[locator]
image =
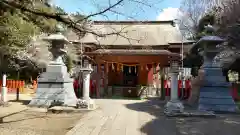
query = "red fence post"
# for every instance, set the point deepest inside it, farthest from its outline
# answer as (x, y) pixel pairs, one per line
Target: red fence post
(188, 88)
(165, 87)
(179, 88)
(234, 91)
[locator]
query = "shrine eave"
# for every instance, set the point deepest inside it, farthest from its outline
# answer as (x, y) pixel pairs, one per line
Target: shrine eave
(132, 52)
(184, 42)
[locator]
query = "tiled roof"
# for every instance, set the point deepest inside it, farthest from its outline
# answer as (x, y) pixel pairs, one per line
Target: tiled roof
(134, 33)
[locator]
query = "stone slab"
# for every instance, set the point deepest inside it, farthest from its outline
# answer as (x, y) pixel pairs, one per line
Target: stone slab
(67, 109)
(216, 101)
(219, 95)
(218, 108)
(203, 114)
(54, 77)
(55, 68)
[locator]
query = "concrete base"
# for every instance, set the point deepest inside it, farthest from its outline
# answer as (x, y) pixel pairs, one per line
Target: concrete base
(91, 104)
(173, 107)
(55, 87)
(88, 104)
(4, 94)
(62, 109)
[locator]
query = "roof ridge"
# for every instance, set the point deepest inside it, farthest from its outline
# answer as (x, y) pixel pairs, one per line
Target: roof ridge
(134, 22)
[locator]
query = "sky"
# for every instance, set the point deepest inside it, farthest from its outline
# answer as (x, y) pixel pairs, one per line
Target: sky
(128, 10)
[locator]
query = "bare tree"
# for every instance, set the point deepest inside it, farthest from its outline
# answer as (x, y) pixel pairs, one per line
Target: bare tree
(191, 12)
(229, 23)
(80, 25)
(227, 14)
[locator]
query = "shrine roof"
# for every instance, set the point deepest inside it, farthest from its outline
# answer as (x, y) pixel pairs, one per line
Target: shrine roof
(132, 52)
(144, 33)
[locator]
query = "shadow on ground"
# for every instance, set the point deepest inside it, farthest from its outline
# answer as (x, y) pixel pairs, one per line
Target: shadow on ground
(24, 102)
(2, 121)
(162, 125)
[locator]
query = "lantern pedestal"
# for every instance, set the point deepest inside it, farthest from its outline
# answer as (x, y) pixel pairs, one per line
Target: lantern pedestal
(55, 87)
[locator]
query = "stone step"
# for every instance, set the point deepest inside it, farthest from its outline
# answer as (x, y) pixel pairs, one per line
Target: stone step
(215, 81)
(117, 93)
(213, 72)
(220, 90)
(218, 108)
(216, 99)
(209, 95)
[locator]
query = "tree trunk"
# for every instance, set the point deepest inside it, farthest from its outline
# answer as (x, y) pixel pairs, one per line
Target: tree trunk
(196, 85)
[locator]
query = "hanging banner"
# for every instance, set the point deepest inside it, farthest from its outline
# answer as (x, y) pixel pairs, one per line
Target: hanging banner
(118, 67)
(113, 66)
(107, 68)
(141, 67)
(102, 70)
(158, 67)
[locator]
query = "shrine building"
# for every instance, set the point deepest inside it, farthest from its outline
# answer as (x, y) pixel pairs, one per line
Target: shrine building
(132, 54)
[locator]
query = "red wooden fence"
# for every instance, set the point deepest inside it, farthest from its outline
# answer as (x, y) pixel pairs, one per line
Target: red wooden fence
(13, 85)
(186, 90)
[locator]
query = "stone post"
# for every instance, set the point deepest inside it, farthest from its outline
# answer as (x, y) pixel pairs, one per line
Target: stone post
(174, 86)
(4, 88)
(174, 105)
(87, 69)
(86, 84)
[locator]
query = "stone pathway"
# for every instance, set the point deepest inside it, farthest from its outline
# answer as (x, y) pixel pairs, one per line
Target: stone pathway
(135, 117)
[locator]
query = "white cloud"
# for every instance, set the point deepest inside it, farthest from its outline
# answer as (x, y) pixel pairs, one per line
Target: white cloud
(168, 14)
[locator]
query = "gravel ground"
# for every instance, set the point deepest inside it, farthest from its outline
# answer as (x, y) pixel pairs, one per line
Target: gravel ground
(222, 125)
(18, 119)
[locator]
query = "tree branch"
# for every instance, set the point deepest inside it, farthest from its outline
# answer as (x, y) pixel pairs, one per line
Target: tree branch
(101, 12)
(64, 18)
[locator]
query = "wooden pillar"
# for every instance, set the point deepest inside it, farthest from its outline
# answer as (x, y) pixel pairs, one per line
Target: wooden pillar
(98, 79)
(142, 75)
(105, 77)
(163, 93)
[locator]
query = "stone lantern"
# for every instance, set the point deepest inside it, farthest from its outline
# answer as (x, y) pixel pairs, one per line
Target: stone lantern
(215, 92)
(86, 70)
(174, 105)
(55, 87)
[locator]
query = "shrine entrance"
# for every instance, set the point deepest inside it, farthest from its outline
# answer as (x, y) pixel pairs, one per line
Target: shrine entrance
(130, 76)
(125, 72)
